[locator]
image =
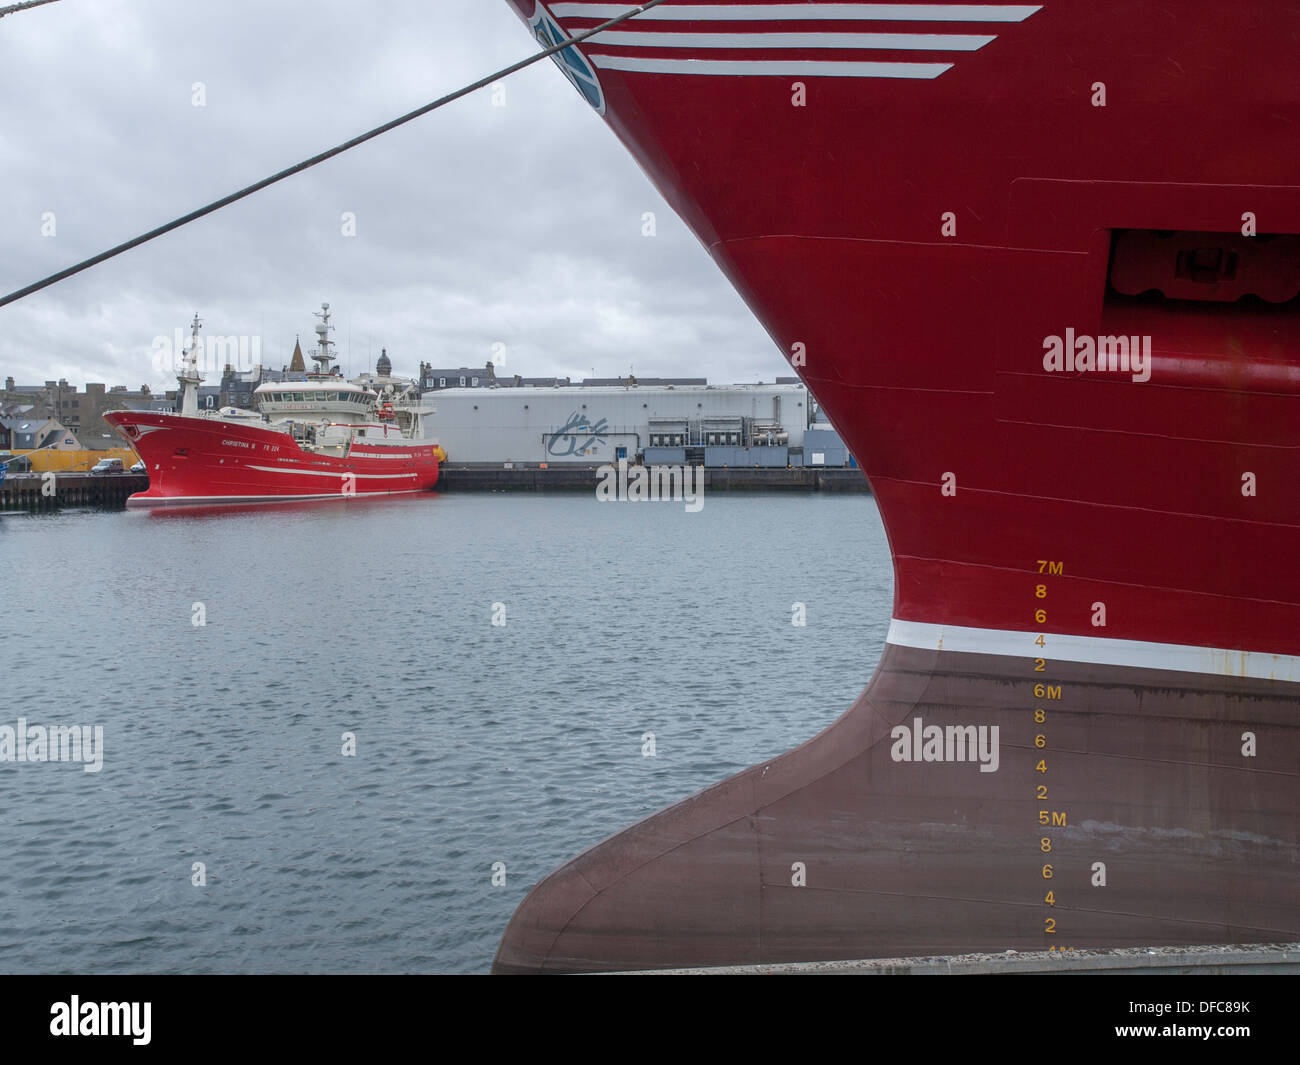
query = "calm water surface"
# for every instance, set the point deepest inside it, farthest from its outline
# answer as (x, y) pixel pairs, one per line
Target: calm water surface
(475, 743)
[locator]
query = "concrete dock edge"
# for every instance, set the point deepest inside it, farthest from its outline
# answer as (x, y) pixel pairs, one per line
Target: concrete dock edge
(1278, 958)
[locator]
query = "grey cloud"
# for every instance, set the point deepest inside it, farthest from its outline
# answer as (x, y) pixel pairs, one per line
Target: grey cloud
(475, 224)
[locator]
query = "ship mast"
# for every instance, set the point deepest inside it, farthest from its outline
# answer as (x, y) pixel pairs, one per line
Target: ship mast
(321, 355)
(189, 378)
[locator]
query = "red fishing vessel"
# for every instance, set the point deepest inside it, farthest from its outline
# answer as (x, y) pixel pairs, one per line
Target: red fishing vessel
(317, 438)
(1040, 264)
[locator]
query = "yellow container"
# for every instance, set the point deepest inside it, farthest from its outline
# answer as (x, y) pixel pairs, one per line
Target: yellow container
(75, 461)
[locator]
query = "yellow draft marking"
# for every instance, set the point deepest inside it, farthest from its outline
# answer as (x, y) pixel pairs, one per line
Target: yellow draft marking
(1052, 818)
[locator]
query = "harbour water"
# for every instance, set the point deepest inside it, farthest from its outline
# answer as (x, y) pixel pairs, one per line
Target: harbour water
(521, 742)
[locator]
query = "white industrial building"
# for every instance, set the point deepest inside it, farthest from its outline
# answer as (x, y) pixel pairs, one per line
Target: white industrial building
(716, 425)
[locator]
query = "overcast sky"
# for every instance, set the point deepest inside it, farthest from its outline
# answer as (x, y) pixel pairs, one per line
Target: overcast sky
(475, 225)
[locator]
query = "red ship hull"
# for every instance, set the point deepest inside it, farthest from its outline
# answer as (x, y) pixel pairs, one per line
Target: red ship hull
(1099, 563)
(206, 461)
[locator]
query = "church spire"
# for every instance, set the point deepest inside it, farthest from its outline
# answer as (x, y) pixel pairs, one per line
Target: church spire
(297, 363)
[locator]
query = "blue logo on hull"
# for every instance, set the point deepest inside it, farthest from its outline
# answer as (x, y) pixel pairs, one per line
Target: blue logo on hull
(575, 67)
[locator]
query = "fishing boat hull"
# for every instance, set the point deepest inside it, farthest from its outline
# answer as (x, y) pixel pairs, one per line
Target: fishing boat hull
(208, 461)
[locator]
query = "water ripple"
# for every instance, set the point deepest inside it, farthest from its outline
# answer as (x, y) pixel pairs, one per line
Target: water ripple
(229, 832)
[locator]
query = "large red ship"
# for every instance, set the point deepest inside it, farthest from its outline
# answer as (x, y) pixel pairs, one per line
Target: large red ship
(317, 438)
(1040, 264)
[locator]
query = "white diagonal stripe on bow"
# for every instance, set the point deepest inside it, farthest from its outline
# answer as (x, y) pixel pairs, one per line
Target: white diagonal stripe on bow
(805, 12)
(807, 68)
(921, 42)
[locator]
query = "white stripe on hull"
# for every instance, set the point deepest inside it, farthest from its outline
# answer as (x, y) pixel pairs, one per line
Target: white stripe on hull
(171, 501)
(920, 42)
(1096, 650)
(810, 68)
(330, 473)
(805, 12)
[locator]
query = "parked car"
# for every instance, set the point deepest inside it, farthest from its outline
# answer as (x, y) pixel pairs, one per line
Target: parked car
(108, 466)
(139, 467)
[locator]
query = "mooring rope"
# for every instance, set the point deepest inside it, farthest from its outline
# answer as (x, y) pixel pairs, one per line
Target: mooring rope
(306, 164)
